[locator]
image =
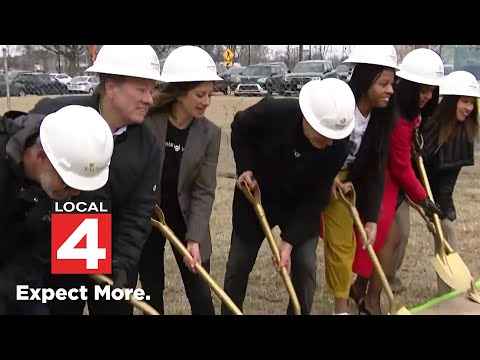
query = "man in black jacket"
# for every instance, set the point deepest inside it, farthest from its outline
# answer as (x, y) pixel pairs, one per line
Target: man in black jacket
(128, 76)
(40, 161)
(292, 149)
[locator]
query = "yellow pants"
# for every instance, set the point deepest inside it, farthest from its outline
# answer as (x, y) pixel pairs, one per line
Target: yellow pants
(339, 245)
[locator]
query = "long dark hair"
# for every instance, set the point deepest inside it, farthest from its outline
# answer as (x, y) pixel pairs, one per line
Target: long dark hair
(363, 77)
(408, 100)
(446, 117)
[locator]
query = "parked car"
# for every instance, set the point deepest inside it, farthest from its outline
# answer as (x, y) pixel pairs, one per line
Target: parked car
(231, 79)
(306, 71)
(268, 77)
(15, 89)
(83, 84)
(282, 65)
(63, 78)
(344, 72)
(221, 86)
(38, 83)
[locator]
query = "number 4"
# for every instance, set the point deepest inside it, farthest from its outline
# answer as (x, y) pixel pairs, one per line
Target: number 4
(91, 253)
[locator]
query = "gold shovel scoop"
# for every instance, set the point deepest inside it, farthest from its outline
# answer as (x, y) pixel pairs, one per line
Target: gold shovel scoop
(473, 293)
(449, 266)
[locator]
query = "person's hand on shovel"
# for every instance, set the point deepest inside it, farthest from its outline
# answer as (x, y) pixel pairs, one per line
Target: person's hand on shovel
(194, 249)
(344, 187)
(247, 176)
(285, 250)
(430, 208)
(371, 231)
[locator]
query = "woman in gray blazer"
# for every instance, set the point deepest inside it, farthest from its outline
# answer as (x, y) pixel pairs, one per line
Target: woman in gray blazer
(188, 164)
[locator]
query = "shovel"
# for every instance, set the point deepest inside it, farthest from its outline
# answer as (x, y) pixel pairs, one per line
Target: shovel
(393, 310)
(140, 305)
(449, 267)
(473, 293)
(169, 234)
(255, 200)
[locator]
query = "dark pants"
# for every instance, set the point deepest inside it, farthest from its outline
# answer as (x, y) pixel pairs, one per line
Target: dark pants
(30, 307)
(152, 273)
(95, 307)
(241, 259)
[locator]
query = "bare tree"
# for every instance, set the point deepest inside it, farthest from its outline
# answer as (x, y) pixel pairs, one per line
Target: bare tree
(280, 56)
(325, 51)
(258, 54)
(444, 51)
(72, 54)
(336, 60)
(288, 56)
(162, 50)
(346, 50)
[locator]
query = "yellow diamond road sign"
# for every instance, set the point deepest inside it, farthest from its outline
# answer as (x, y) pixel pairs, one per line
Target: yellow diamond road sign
(228, 55)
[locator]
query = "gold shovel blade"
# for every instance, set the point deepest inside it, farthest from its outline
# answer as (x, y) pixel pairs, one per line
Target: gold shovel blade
(403, 311)
(453, 271)
(474, 294)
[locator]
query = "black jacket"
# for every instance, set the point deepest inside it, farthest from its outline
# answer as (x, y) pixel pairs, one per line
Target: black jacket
(444, 163)
(24, 212)
(294, 177)
(367, 172)
(131, 187)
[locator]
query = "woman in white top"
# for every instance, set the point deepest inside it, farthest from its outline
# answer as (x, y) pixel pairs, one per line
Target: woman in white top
(372, 83)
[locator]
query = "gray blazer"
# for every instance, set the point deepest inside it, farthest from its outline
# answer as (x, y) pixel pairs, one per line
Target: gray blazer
(197, 179)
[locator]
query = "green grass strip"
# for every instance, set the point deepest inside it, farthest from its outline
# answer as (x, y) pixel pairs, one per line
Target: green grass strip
(438, 300)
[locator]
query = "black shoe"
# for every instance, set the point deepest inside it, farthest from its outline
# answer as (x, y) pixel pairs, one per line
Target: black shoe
(362, 308)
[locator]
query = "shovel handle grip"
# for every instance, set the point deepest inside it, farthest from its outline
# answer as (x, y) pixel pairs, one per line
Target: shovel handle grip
(254, 197)
(436, 220)
(177, 244)
(354, 213)
(255, 200)
(427, 220)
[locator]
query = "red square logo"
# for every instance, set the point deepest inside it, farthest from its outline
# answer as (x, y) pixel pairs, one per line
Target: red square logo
(81, 237)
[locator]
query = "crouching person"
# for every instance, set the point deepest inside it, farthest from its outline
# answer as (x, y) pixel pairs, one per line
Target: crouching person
(292, 149)
(43, 158)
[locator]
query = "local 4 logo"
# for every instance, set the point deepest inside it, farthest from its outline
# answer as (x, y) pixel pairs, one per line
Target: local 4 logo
(81, 237)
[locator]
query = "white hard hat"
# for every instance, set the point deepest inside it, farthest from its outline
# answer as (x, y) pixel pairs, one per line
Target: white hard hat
(189, 63)
(139, 61)
(384, 55)
(423, 66)
(460, 83)
(328, 105)
(79, 144)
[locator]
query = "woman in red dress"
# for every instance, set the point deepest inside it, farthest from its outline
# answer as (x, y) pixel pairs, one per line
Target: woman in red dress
(417, 96)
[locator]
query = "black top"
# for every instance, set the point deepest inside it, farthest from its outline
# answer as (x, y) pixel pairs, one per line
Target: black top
(175, 141)
(294, 177)
(132, 183)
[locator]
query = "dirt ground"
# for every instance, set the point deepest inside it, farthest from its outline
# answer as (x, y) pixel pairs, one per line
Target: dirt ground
(456, 305)
(266, 293)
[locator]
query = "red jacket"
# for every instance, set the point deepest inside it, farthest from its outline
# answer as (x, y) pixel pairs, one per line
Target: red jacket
(399, 174)
(399, 160)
